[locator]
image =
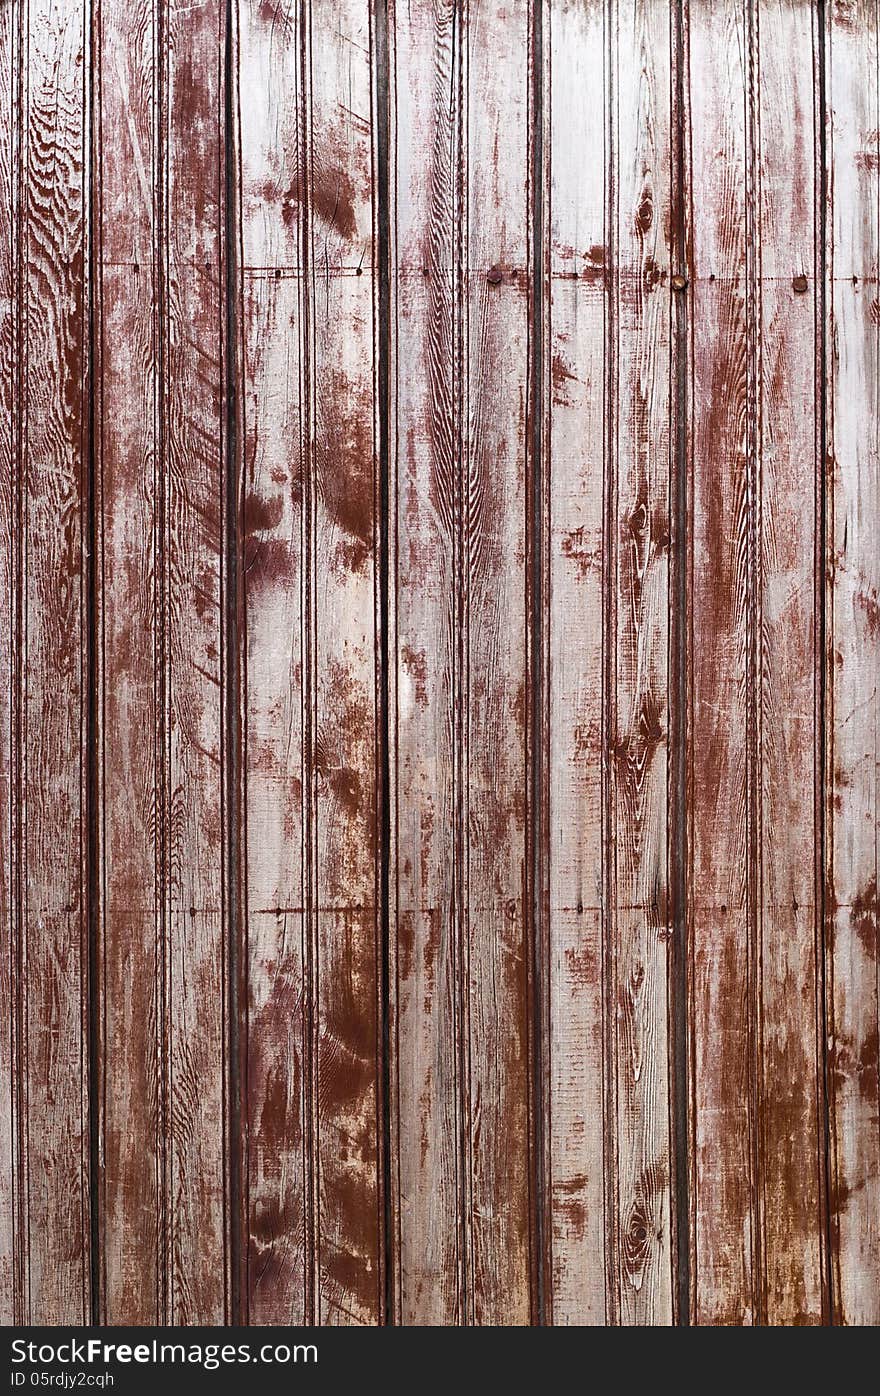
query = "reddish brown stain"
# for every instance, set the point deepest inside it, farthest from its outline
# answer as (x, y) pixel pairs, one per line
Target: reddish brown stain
(272, 14)
(868, 160)
(331, 199)
(415, 663)
(576, 547)
(595, 263)
(652, 274)
(267, 560)
(866, 599)
(582, 966)
(560, 375)
(863, 916)
(573, 1213)
(645, 214)
(345, 462)
(262, 514)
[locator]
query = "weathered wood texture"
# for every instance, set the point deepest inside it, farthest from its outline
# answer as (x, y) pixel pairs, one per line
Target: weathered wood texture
(439, 658)
(459, 345)
(43, 887)
(310, 552)
(607, 451)
(852, 653)
(159, 451)
(754, 756)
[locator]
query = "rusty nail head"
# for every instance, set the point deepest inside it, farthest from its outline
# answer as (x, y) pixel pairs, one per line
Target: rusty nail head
(799, 282)
(494, 276)
(679, 282)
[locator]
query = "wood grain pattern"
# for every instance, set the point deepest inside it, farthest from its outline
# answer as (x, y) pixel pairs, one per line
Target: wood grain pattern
(574, 453)
(44, 886)
(311, 540)
(161, 595)
(755, 983)
(852, 641)
(439, 662)
(460, 373)
(608, 410)
(128, 451)
(12, 1290)
(637, 538)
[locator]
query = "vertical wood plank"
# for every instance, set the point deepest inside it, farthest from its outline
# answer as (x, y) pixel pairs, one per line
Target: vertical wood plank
(785, 142)
(460, 373)
(722, 1215)
(190, 244)
(311, 491)
(128, 455)
(162, 600)
(636, 569)
(574, 454)
(852, 56)
(754, 975)
(425, 199)
(270, 48)
(344, 460)
(45, 898)
(608, 410)
(10, 1173)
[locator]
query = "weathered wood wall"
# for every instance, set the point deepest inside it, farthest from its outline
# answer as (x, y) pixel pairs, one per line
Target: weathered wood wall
(440, 645)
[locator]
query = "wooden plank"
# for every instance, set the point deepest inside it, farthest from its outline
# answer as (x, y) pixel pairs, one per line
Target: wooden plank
(636, 569)
(128, 452)
(785, 139)
(425, 118)
(275, 682)
(852, 54)
(459, 372)
(754, 977)
(10, 1173)
(722, 1219)
(574, 452)
(161, 602)
(44, 891)
(193, 601)
(609, 544)
(311, 489)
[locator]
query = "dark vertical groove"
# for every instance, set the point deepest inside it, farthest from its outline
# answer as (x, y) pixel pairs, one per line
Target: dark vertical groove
(92, 732)
(383, 217)
(821, 677)
(755, 650)
(311, 1295)
(536, 600)
(21, 1276)
(164, 1287)
(609, 679)
(236, 997)
(679, 661)
(459, 95)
